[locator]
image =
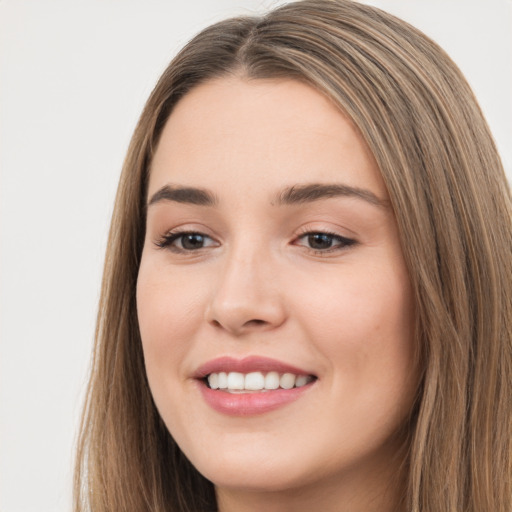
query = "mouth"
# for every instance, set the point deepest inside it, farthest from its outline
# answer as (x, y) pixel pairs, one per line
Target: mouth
(236, 382)
(250, 386)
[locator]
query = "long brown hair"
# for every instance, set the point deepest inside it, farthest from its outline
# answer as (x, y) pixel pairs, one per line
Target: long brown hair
(453, 208)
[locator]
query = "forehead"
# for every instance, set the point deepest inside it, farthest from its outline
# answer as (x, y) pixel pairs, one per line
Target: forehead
(264, 132)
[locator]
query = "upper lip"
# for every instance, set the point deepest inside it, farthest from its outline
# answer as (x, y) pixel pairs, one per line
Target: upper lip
(247, 365)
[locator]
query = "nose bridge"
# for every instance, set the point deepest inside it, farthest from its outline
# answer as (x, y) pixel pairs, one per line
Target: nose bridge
(247, 296)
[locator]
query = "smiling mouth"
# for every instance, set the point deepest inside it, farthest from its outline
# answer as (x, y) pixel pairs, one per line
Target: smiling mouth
(251, 386)
(255, 382)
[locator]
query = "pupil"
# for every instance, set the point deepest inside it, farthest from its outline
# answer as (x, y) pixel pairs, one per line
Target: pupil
(320, 241)
(192, 241)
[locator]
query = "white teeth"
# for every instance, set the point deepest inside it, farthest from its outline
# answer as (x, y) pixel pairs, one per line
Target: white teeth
(287, 381)
(213, 380)
(223, 380)
(256, 381)
(272, 380)
(302, 380)
(236, 380)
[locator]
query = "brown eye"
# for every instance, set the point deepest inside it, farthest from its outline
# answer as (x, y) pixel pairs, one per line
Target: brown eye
(191, 241)
(324, 242)
(185, 241)
(320, 241)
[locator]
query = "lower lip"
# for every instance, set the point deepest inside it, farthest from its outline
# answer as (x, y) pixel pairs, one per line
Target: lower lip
(250, 404)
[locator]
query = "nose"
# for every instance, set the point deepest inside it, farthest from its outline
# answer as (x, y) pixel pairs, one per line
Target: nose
(246, 297)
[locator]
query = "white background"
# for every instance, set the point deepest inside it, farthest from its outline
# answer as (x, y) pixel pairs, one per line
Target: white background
(74, 75)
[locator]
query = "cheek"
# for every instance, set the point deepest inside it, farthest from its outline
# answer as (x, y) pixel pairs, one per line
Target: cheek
(169, 312)
(363, 322)
(350, 303)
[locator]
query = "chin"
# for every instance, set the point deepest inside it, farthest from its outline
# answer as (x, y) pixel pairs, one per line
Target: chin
(252, 466)
(252, 479)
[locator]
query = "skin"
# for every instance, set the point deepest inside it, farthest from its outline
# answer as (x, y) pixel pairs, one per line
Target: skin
(255, 286)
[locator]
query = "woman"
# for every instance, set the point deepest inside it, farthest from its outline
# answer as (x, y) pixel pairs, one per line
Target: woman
(306, 293)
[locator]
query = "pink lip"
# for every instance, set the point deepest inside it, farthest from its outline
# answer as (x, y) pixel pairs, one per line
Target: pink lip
(248, 404)
(246, 365)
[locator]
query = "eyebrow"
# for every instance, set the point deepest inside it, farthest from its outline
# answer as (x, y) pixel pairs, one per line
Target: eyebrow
(178, 194)
(296, 194)
(311, 192)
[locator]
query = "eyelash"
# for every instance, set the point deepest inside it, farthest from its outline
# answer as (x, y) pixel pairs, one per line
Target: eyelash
(344, 242)
(167, 241)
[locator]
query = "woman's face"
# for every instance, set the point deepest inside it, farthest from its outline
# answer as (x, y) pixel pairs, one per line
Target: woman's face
(272, 258)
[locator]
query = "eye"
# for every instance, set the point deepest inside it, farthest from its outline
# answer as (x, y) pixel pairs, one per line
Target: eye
(322, 242)
(185, 241)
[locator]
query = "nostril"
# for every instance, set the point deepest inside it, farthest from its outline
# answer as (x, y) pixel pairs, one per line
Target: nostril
(255, 323)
